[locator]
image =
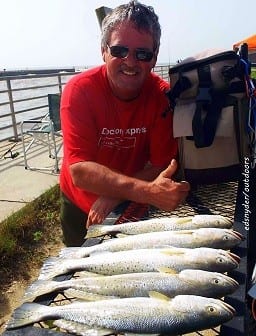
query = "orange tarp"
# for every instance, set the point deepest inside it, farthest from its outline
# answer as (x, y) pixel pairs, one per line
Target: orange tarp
(251, 41)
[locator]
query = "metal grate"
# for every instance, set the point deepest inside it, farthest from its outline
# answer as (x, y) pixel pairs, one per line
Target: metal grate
(216, 199)
(211, 199)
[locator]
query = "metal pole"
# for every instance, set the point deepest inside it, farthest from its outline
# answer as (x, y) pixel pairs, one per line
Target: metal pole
(14, 123)
(101, 12)
(60, 84)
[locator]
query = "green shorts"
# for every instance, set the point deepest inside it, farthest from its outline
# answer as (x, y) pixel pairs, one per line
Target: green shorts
(73, 222)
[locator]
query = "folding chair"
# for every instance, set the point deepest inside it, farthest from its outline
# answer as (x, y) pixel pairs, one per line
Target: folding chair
(43, 133)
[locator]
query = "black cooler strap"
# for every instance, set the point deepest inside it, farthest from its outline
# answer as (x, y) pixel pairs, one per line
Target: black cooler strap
(182, 84)
(209, 103)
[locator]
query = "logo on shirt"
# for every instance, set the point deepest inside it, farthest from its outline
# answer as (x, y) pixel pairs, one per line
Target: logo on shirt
(117, 142)
(119, 138)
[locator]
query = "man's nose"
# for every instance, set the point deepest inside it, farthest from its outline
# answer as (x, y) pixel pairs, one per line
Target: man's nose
(131, 59)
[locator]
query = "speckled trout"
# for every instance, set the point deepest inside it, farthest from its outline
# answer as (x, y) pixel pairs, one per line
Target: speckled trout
(143, 260)
(167, 282)
(182, 314)
(161, 224)
(204, 237)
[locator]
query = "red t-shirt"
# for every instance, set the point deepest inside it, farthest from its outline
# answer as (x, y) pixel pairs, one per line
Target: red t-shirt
(121, 135)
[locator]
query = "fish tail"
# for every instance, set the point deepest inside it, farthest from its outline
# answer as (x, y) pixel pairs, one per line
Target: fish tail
(97, 231)
(39, 288)
(28, 313)
(50, 268)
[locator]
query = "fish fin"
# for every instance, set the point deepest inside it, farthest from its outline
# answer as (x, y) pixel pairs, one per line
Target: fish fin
(184, 220)
(87, 274)
(172, 251)
(100, 230)
(38, 288)
(97, 230)
(167, 270)
(121, 235)
(29, 313)
(188, 232)
(87, 296)
(158, 296)
(81, 329)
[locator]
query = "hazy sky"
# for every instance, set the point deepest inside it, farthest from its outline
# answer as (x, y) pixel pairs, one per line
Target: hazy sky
(49, 33)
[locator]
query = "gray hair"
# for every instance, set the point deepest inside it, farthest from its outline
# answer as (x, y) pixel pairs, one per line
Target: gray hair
(143, 17)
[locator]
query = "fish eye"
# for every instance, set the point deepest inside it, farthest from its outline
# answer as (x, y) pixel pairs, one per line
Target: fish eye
(211, 309)
(216, 281)
(220, 260)
(225, 237)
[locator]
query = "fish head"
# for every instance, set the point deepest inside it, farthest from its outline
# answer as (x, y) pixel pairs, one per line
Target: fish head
(214, 283)
(226, 261)
(232, 238)
(220, 280)
(220, 238)
(215, 260)
(216, 220)
(203, 311)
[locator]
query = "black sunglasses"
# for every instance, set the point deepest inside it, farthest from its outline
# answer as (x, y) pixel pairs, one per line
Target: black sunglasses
(141, 54)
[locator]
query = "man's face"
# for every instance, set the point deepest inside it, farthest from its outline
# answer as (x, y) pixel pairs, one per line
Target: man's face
(127, 75)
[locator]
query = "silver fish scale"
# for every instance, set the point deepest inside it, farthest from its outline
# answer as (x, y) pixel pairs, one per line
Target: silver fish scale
(121, 317)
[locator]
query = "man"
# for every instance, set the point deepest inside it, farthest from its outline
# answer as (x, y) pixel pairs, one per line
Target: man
(117, 128)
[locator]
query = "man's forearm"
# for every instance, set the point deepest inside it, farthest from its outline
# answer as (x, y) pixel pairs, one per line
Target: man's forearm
(103, 181)
(160, 191)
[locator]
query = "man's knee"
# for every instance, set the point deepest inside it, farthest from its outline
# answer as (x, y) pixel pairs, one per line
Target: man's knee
(73, 223)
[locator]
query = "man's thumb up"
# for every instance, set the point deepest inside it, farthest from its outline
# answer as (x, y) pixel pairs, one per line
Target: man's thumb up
(170, 170)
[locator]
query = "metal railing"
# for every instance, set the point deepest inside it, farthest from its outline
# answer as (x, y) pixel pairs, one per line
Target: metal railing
(25, 97)
(162, 71)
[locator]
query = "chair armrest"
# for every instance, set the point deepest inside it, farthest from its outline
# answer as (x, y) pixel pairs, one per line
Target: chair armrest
(37, 125)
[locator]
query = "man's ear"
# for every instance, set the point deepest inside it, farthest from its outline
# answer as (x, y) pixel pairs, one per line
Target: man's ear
(155, 57)
(154, 61)
(103, 53)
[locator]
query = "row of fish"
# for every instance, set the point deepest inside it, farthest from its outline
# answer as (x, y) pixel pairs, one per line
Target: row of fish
(143, 260)
(202, 237)
(168, 281)
(152, 315)
(161, 224)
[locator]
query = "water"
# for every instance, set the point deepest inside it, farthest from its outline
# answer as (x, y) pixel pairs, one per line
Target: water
(26, 88)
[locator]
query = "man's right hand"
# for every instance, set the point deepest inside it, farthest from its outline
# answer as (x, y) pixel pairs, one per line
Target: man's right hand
(165, 193)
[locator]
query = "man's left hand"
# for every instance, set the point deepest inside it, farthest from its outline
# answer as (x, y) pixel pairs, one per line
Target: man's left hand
(100, 209)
